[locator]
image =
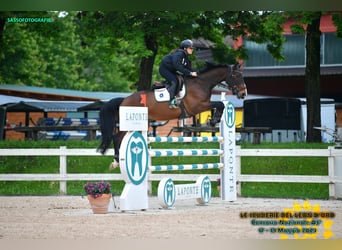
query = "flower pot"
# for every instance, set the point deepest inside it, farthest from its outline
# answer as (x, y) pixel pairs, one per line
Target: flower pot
(100, 204)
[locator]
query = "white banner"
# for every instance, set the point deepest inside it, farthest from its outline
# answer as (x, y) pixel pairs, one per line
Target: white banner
(133, 118)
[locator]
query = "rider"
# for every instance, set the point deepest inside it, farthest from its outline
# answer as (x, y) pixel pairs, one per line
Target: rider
(177, 62)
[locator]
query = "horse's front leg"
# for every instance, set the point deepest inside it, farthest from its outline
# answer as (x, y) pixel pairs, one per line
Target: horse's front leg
(218, 108)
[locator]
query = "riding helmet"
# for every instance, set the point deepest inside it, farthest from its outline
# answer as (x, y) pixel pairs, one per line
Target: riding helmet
(186, 44)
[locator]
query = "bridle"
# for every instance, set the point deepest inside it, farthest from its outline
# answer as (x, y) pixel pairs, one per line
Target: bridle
(233, 86)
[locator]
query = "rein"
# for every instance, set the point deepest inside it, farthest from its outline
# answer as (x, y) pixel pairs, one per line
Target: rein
(216, 82)
(224, 85)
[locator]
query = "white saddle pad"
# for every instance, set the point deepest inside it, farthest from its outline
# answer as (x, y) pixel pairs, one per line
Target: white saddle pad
(162, 95)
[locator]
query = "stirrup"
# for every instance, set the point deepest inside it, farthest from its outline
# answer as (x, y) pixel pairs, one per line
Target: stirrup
(173, 104)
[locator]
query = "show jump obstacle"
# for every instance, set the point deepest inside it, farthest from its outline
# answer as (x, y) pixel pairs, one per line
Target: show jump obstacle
(135, 158)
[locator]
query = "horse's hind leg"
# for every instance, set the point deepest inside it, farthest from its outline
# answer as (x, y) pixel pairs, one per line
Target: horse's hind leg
(115, 162)
(218, 108)
(117, 138)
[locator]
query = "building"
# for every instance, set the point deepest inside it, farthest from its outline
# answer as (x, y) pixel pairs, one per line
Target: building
(26, 106)
(266, 76)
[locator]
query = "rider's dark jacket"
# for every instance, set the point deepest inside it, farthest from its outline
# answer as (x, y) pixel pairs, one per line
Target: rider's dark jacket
(178, 62)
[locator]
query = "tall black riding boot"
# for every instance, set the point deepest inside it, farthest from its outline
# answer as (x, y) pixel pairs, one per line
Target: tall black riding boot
(172, 91)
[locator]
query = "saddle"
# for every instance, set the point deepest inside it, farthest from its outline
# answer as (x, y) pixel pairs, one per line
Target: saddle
(162, 95)
(163, 84)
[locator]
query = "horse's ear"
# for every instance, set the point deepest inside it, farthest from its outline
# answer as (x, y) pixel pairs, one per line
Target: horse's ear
(237, 66)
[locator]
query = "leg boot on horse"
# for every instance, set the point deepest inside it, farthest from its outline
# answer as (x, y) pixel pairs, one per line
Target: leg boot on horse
(218, 111)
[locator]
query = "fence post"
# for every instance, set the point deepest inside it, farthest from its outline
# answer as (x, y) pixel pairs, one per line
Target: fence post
(238, 170)
(331, 173)
(337, 170)
(149, 182)
(62, 170)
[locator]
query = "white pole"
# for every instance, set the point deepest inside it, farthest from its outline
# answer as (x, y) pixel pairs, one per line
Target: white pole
(228, 174)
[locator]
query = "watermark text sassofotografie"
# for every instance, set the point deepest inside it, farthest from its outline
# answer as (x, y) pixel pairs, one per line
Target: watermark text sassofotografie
(29, 19)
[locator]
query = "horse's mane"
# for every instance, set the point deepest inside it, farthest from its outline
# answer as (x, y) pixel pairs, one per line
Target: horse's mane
(210, 66)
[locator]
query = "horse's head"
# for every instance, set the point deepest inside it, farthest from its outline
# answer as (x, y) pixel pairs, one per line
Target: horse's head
(236, 82)
(232, 76)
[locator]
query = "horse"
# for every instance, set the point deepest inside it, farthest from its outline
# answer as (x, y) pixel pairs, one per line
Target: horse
(196, 100)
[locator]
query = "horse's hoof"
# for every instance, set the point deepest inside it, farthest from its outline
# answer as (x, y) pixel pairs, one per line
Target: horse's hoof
(212, 123)
(113, 165)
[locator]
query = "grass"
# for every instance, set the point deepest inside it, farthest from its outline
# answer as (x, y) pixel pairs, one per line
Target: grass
(285, 166)
(91, 164)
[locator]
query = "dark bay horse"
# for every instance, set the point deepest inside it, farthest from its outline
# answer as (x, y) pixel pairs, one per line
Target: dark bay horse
(196, 100)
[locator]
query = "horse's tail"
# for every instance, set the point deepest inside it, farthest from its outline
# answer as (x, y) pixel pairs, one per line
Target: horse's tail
(109, 116)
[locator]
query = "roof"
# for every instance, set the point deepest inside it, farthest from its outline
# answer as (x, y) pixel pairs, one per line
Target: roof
(202, 43)
(203, 48)
(20, 104)
(43, 93)
(238, 103)
(5, 99)
(92, 106)
(45, 106)
(288, 71)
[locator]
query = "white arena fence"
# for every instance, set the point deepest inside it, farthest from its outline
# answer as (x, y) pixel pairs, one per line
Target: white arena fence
(330, 153)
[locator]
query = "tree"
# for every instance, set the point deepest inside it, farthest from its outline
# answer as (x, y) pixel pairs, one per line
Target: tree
(39, 54)
(312, 77)
(312, 70)
(109, 62)
(65, 53)
(155, 31)
(162, 31)
(107, 51)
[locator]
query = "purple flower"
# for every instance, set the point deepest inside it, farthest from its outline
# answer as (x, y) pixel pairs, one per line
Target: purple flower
(96, 189)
